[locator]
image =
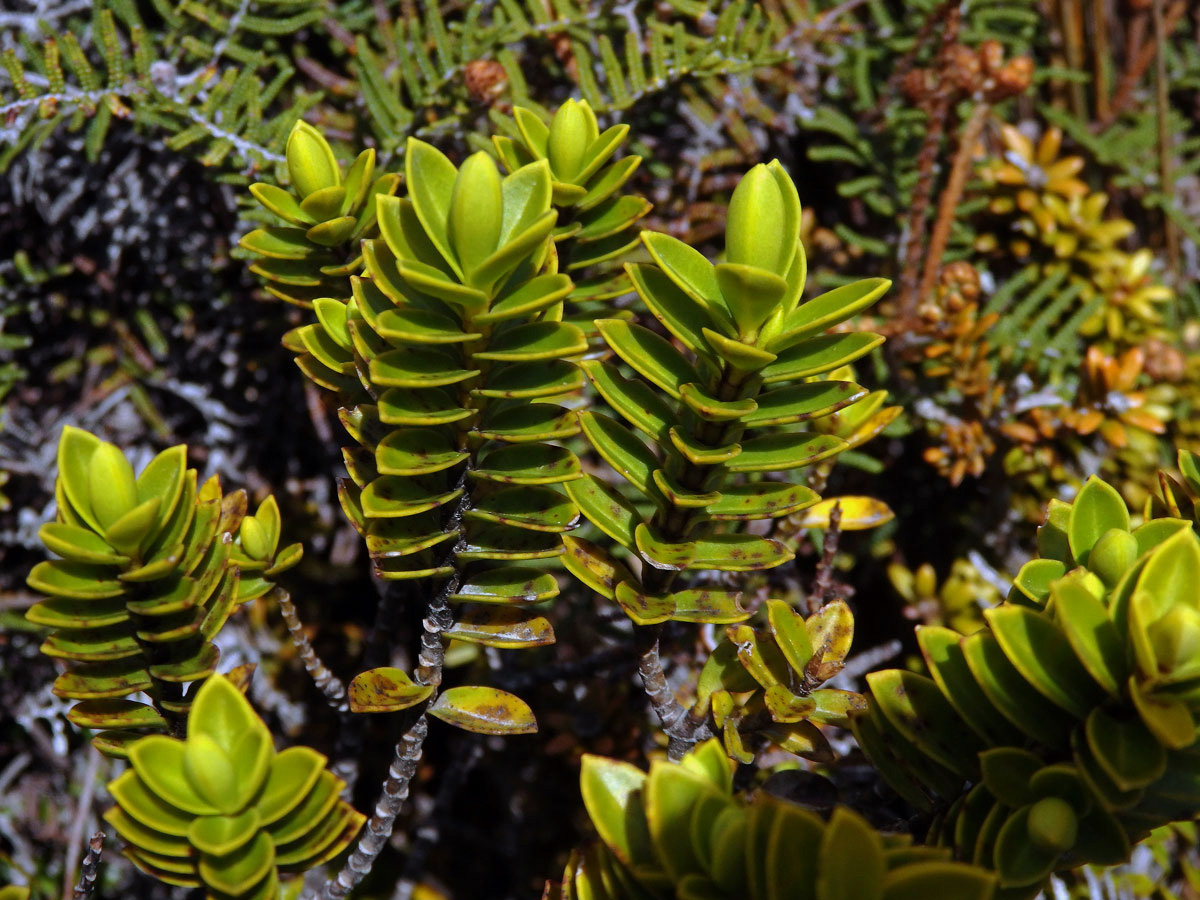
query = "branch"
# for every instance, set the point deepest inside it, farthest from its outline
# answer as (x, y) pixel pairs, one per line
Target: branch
(329, 684)
(379, 827)
(90, 869)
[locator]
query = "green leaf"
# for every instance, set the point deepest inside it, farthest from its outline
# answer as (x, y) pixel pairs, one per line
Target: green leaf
(740, 355)
(1019, 860)
(620, 448)
(605, 508)
(760, 500)
(711, 409)
(417, 451)
(739, 553)
(159, 764)
(802, 402)
(938, 879)
(851, 859)
(116, 713)
(324, 203)
(528, 422)
(681, 315)
(522, 247)
(421, 326)
(1011, 694)
(825, 311)
(612, 795)
(529, 464)
(1125, 749)
(505, 627)
(278, 243)
(430, 177)
(74, 580)
(417, 367)
(1043, 655)
(507, 584)
(1007, 772)
(671, 794)
(239, 872)
(790, 634)
(647, 353)
(1092, 634)
(1036, 576)
(531, 380)
(78, 544)
(280, 202)
(526, 298)
(294, 773)
(1170, 575)
(661, 552)
(484, 710)
(222, 835)
(1097, 509)
(781, 452)
(612, 217)
(534, 341)
(688, 268)
(396, 496)
(594, 566)
(708, 607)
(643, 608)
(135, 528)
(913, 704)
(420, 406)
(635, 401)
(385, 690)
(819, 355)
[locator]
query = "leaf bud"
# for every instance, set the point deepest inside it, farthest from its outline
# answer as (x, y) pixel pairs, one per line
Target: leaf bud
(1112, 556)
(1176, 637)
(210, 771)
(254, 539)
(310, 160)
(1053, 825)
(476, 211)
(763, 222)
(571, 132)
(111, 484)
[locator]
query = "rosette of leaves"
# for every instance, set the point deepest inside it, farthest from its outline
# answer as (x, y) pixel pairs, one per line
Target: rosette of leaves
(146, 576)
(710, 426)
(222, 809)
(326, 215)
(1066, 729)
(457, 336)
(595, 230)
(769, 684)
(681, 832)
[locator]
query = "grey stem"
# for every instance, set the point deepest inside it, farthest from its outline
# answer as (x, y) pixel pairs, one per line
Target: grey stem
(90, 868)
(379, 828)
(329, 684)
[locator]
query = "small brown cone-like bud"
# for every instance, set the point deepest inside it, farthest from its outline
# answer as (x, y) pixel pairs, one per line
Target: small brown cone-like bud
(485, 79)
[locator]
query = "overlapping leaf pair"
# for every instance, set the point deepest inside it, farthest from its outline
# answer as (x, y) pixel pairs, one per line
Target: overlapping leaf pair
(1074, 714)
(222, 810)
(327, 217)
(718, 415)
(457, 337)
(776, 676)
(595, 228)
(147, 577)
(681, 832)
